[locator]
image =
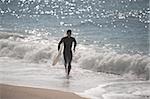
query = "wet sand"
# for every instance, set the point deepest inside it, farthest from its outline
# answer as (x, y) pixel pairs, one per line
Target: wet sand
(19, 92)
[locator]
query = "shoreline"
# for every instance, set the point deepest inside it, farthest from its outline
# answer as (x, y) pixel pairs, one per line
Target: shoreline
(21, 92)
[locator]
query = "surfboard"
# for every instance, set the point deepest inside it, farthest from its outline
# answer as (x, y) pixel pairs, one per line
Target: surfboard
(57, 56)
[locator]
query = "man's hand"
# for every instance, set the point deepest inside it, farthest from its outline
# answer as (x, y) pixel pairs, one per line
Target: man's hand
(74, 50)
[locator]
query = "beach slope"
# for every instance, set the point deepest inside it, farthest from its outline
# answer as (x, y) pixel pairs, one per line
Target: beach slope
(19, 92)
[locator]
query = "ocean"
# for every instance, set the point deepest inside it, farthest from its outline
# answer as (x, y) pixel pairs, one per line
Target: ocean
(112, 46)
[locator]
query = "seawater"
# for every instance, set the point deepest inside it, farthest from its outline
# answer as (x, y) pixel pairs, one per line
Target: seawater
(120, 25)
(112, 36)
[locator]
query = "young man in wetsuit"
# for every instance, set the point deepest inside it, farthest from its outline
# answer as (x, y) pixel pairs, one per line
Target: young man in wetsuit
(67, 53)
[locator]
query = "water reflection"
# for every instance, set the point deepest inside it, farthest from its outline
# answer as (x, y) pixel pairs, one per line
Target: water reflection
(66, 83)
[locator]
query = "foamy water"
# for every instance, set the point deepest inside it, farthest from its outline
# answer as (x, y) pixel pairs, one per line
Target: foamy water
(36, 50)
(26, 61)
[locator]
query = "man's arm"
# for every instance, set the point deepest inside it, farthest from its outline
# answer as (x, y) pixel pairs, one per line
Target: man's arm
(60, 43)
(75, 44)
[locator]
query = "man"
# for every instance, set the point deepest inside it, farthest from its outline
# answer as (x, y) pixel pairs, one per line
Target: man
(67, 53)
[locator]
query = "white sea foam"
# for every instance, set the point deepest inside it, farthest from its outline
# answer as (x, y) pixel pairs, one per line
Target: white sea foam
(114, 63)
(33, 50)
(38, 50)
(120, 90)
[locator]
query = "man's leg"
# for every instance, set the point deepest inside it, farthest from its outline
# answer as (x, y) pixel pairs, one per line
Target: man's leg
(69, 67)
(65, 62)
(69, 63)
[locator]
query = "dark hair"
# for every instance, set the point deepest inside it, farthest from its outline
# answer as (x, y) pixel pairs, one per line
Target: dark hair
(69, 32)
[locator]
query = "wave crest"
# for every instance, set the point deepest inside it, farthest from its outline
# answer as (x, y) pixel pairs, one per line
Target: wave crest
(87, 57)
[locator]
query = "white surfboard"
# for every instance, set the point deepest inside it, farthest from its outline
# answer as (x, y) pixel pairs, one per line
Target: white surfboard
(56, 58)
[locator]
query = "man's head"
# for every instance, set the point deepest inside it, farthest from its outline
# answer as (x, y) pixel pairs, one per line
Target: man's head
(69, 32)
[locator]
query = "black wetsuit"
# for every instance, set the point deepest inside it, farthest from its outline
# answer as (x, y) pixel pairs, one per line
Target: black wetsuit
(67, 50)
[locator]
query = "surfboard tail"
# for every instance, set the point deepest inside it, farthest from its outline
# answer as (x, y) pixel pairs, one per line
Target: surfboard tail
(56, 58)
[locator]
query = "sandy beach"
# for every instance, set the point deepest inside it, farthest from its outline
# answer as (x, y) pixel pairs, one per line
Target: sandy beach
(19, 92)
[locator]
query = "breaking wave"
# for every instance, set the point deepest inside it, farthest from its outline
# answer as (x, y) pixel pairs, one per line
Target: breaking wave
(87, 57)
